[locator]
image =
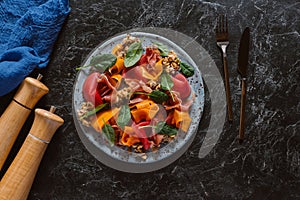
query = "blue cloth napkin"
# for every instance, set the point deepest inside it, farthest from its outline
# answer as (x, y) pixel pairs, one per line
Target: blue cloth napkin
(28, 31)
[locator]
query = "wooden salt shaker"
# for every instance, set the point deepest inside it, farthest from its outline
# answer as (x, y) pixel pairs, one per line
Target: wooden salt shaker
(17, 181)
(15, 115)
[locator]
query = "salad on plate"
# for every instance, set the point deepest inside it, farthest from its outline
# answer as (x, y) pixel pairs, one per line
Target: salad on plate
(137, 97)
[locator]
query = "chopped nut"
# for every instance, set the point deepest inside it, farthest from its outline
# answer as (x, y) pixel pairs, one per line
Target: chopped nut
(121, 49)
(170, 70)
(138, 148)
(157, 87)
(85, 122)
(175, 66)
(85, 108)
(124, 93)
(152, 84)
(155, 148)
(172, 55)
(144, 156)
(171, 62)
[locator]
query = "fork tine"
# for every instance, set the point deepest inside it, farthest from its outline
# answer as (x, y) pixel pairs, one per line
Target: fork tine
(222, 24)
(226, 24)
(217, 26)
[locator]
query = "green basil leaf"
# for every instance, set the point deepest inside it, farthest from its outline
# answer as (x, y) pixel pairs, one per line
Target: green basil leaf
(158, 96)
(186, 69)
(94, 111)
(166, 81)
(159, 126)
(124, 116)
(133, 54)
(162, 48)
(103, 61)
(109, 133)
(163, 128)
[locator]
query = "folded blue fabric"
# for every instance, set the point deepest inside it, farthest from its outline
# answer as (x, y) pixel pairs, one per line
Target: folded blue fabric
(29, 29)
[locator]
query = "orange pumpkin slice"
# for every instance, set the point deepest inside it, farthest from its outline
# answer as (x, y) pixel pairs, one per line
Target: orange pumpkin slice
(103, 118)
(128, 137)
(181, 120)
(145, 110)
(117, 67)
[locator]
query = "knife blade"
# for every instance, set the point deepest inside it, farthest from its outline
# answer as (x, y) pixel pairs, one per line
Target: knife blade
(244, 53)
(242, 69)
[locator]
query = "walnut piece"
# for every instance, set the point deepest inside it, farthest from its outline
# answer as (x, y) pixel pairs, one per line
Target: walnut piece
(171, 62)
(121, 49)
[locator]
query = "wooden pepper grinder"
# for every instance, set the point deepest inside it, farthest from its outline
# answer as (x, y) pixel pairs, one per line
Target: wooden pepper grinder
(15, 115)
(17, 181)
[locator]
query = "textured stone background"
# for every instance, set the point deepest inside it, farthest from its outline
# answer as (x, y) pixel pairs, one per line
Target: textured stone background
(266, 166)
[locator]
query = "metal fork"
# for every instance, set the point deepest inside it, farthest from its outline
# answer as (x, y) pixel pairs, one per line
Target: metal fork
(223, 42)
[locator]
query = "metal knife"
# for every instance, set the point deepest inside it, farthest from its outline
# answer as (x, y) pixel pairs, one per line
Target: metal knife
(242, 69)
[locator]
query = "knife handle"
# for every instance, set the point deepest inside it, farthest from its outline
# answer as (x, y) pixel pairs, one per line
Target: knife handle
(15, 115)
(17, 181)
(242, 114)
(227, 87)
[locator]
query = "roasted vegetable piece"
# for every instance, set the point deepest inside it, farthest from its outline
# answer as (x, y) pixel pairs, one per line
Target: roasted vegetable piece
(145, 110)
(129, 137)
(117, 67)
(103, 118)
(181, 120)
(89, 89)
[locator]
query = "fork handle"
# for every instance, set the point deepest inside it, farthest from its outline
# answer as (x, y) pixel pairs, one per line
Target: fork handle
(228, 97)
(242, 115)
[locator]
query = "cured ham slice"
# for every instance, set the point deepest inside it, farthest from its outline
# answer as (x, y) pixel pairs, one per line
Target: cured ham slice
(151, 56)
(134, 73)
(89, 89)
(141, 133)
(181, 85)
(137, 85)
(152, 73)
(98, 88)
(179, 105)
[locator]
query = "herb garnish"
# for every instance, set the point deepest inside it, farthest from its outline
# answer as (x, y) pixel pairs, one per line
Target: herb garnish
(166, 83)
(124, 116)
(103, 61)
(94, 111)
(109, 133)
(162, 48)
(133, 54)
(156, 95)
(162, 128)
(186, 69)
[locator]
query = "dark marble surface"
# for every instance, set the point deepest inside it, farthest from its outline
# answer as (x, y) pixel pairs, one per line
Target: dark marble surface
(265, 166)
